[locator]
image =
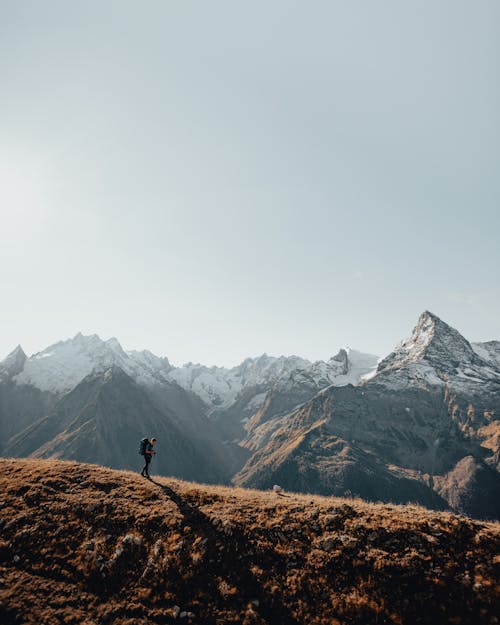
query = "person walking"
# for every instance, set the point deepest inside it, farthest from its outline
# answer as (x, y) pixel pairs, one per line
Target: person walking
(149, 452)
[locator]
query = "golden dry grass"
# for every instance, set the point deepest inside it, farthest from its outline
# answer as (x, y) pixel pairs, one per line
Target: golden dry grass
(81, 543)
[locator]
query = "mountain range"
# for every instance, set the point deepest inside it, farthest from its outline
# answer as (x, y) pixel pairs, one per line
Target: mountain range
(421, 425)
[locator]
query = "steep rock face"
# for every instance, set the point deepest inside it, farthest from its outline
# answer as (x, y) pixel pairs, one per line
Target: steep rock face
(410, 428)
(286, 384)
(435, 342)
(13, 363)
(437, 355)
(20, 405)
(472, 487)
(315, 460)
(432, 402)
(102, 420)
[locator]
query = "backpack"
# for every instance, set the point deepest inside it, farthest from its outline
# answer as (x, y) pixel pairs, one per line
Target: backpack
(142, 446)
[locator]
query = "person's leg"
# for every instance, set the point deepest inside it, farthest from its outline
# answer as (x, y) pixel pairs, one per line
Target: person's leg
(148, 460)
(145, 467)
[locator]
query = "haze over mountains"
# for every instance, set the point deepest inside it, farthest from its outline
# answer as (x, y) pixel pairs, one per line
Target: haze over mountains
(422, 425)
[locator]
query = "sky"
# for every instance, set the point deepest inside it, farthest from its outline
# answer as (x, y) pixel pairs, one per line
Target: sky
(212, 181)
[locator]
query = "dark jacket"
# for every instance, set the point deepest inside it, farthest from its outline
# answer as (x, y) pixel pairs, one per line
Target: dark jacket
(148, 452)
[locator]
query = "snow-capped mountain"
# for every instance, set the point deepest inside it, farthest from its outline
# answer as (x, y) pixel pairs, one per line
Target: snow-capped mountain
(220, 387)
(437, 355)
(60, 367)
(31, 387)
(424, 427)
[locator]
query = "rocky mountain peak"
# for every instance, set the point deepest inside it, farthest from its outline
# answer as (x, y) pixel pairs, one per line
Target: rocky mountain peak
(343, 359)
(432, 341)
(85, 339)
(114, 344)
(60, 367)
(14, 362)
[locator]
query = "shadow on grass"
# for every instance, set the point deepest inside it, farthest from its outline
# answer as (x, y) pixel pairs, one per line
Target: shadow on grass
(232, 562)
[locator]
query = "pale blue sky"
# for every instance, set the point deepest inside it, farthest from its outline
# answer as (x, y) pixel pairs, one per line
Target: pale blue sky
(212, 180)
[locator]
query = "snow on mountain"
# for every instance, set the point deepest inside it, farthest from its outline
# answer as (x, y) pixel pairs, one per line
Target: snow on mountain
(360, 365)
(437, 355)
(489, 351)
(432, 339)
(62, 366)
(434, 355)
(219, 387)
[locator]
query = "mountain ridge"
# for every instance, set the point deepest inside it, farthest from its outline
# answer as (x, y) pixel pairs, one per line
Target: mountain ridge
(84, 544)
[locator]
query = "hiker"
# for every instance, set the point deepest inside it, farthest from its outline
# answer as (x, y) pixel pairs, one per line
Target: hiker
(148, 452)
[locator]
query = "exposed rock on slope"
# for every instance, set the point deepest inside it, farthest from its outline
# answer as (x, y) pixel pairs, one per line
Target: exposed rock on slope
(13, 364)
(19, 405)
(220, 388)
(83, 544)
(399, 436)
(267, 386)
(471, 487)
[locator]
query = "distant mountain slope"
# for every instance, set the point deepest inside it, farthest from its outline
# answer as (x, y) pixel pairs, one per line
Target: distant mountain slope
(221, 388)
(83, 544)
(488, 351)
(103, 419)
(228, 396)
(294, 381)
(20, 405)
(60, 367)
(400, 436)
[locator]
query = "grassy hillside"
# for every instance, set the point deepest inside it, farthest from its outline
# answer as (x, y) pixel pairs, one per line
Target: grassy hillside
(83, 544)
